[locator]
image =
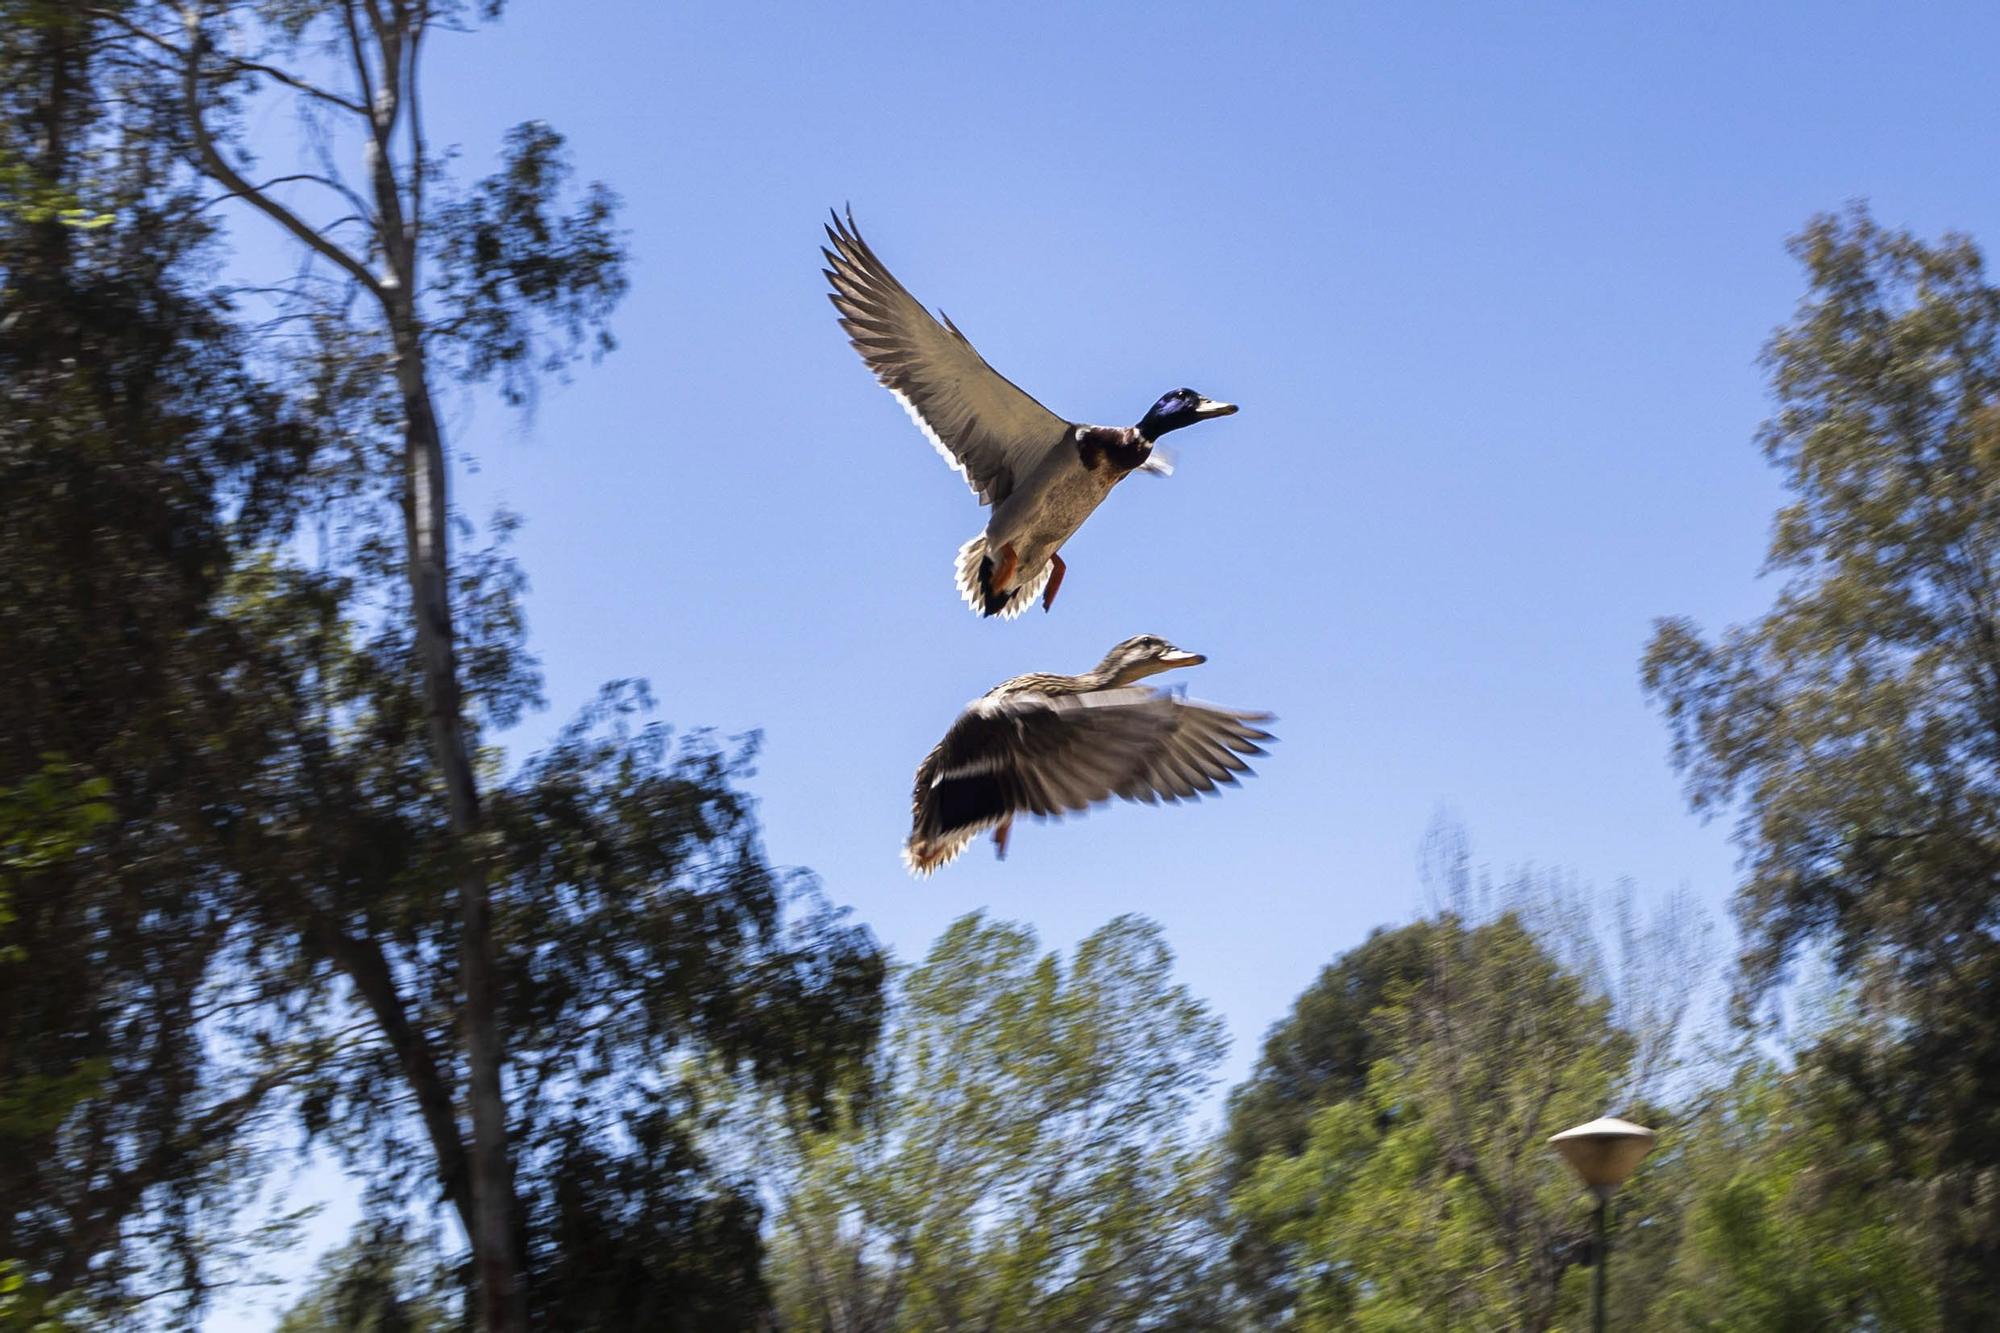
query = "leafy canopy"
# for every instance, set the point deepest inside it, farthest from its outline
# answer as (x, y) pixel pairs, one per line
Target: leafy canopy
(1021, 1159)
(1855, 727)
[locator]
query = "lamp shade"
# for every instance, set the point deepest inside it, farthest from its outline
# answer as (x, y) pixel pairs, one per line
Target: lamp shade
(1604, 1152)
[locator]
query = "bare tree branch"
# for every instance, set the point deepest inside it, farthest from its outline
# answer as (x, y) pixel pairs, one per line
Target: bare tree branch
(353, 200)
(310, 89)
(217, 166)
(293, 81)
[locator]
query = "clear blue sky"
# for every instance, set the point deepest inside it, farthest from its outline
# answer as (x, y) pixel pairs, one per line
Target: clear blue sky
(1488, 281)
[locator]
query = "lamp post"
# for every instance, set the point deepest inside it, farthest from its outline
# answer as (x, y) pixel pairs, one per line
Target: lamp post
(1603, 1153)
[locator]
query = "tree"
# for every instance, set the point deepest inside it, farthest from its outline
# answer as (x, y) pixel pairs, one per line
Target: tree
(272, 921)
(383, 1280)
(42, 822)
(1644, 959)
(138, 458)
(644, 930)
(509, 271)
(1021, 1159)
(1319, 1054)
(1856, 726)
(1794, 1222)
(1427, 1198)
(1323, 1049)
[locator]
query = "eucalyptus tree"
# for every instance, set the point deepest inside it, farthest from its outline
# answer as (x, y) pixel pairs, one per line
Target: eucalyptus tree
(383, 1279)
(139, 459)
(493, 281)
(1019, 1156)
(1793, 1221)
(1319, 1053)
(1855, 727)
(288, 910)
(1423, 1196)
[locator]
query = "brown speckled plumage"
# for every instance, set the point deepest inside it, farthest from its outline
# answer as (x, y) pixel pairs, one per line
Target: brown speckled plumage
(1046, 745)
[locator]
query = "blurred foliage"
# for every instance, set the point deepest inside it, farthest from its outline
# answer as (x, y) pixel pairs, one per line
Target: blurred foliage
(1427, 1198)
(1792, 1222)
(1322, 1051)
(1856, 727)
(36, 204)
(1318, 1054)
(43, 822)
(383, 1280)
(138, 455)
(1020, 1157)
(24, 1308)
(522, 289)
(249, 944)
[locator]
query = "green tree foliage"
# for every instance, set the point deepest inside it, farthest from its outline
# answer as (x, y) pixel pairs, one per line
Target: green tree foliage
(1022, 1159)
(1320, 1053)
(43, 822)
(1425, 1197)
(25, 1308)
(498, 281)
(1856, 726)
(1323, 1050)
(270, 921)
(1793, 1223)
(138, 456)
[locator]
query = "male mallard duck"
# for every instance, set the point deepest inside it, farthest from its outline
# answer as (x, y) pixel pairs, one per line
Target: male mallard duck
(1042, 475)
(1043, 745)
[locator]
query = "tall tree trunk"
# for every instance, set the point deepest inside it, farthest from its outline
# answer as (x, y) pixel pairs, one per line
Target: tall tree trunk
(425, 518)
(386, 78)
(426, 533)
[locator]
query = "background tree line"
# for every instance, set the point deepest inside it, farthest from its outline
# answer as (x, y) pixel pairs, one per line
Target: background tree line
(266, 886)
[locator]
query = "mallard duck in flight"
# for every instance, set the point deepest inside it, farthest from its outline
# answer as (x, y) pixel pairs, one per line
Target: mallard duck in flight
(1042, 475)
(1045, 745)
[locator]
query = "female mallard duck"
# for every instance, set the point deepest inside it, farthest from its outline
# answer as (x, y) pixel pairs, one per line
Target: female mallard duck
(1042, 475)
(1043, 745)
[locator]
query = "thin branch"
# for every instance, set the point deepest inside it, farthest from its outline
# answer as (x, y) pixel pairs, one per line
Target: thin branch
(354, 201)
(214, 163)
(360, 62)
(118, 20)
(416, 218)
(293, 81)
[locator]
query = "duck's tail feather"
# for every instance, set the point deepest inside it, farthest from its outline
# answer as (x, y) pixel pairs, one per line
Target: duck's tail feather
(921, 856)
(975, 567)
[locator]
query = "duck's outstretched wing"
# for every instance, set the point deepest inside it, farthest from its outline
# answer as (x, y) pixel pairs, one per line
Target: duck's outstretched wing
(985, 425)
(1034, 754)
(1206, 746)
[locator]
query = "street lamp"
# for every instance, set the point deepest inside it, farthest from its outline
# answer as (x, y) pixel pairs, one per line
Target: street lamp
(1603, 1153)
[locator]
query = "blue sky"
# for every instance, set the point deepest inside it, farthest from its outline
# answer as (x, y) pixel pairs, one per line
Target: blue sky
(1488, 281)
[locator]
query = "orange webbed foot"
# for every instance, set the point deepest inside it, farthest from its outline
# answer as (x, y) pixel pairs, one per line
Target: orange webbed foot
(1055, 581)
(1000, 832)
